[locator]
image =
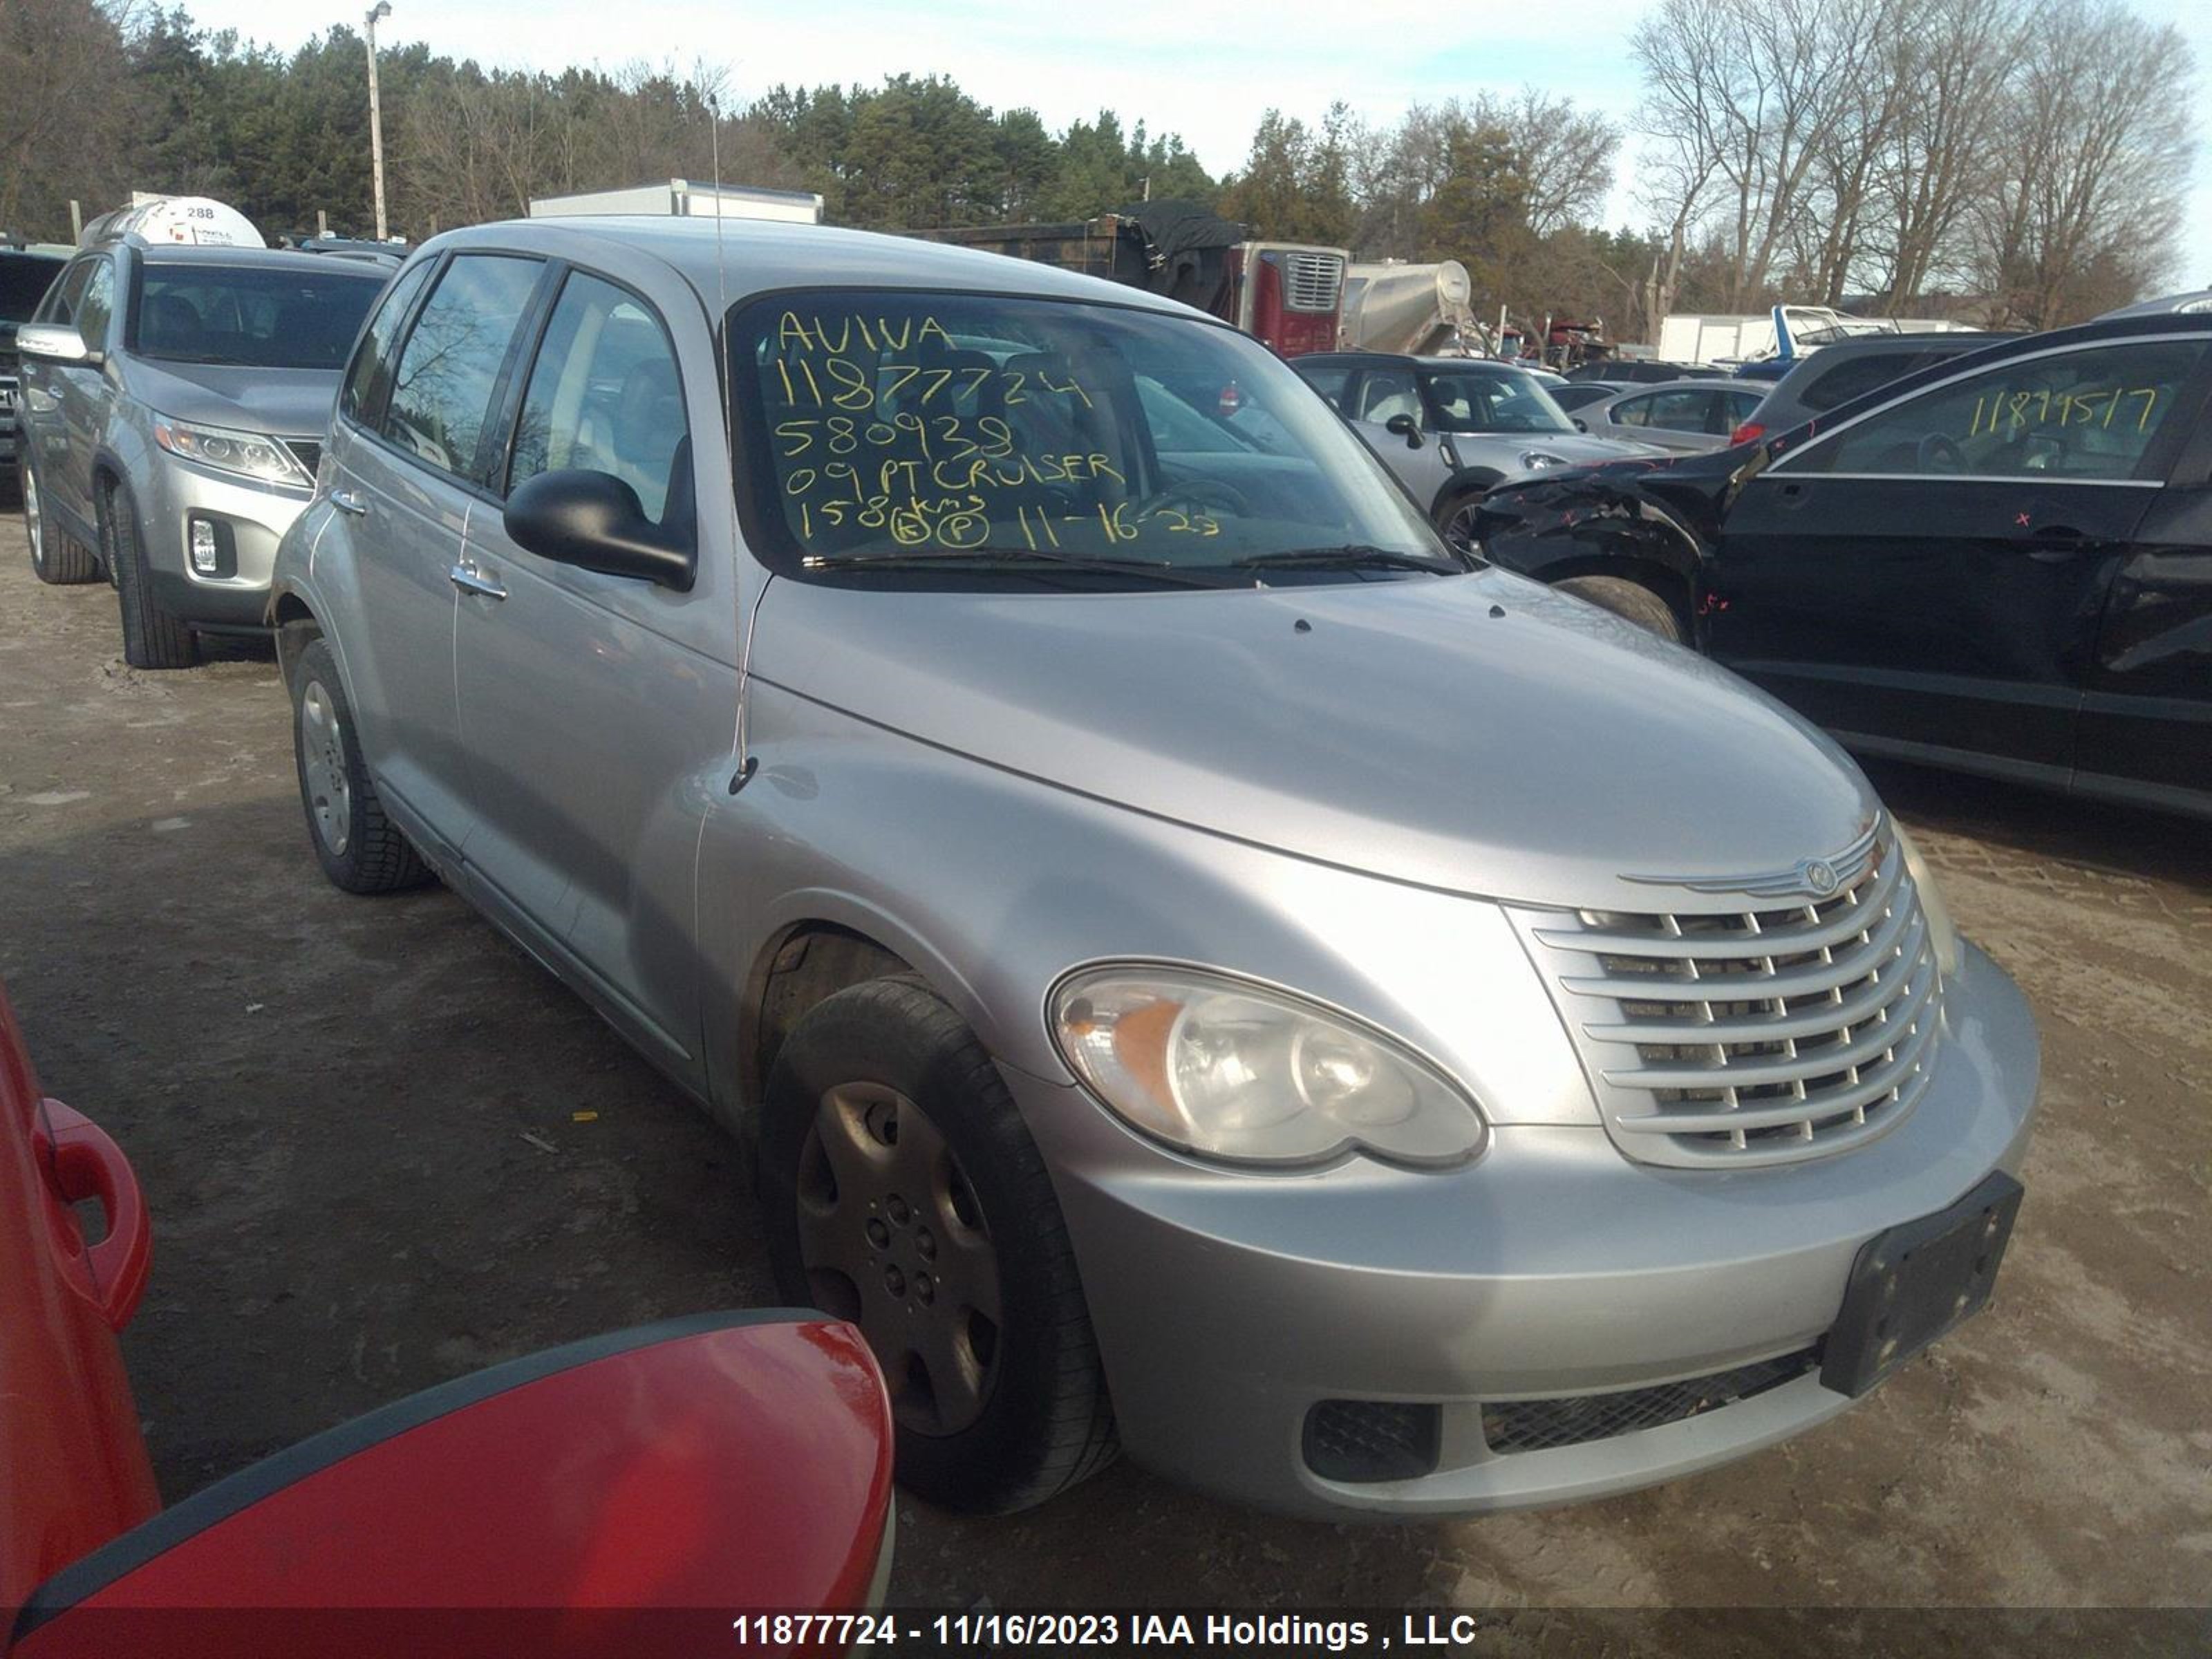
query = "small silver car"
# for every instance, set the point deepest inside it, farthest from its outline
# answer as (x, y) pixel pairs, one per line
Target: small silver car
(1203, 967)
(1684, 417)
(1451, 428)
(174, 403)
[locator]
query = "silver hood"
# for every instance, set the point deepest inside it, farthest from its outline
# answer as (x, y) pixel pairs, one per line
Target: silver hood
(283, 403)
(1542, 754)
(1503, 450)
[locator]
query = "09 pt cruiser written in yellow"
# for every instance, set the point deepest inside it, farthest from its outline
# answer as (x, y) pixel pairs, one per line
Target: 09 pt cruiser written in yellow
(1207, 969)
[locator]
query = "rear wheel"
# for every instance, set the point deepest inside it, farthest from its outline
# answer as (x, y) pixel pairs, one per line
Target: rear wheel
(152, 638)
(902, 1192)
(56, 556)
(1632, 600)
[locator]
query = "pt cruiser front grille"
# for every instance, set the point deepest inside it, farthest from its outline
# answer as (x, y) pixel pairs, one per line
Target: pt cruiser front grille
(1743, 1037)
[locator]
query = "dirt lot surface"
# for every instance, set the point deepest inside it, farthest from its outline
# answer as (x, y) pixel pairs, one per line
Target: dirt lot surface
(360, 1125)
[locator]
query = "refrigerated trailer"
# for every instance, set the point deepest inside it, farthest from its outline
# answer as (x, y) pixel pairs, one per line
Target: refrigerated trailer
(1288, 295)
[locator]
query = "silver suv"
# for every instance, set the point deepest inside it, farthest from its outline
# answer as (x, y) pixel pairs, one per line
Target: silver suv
(173, 404)
(1201, 965)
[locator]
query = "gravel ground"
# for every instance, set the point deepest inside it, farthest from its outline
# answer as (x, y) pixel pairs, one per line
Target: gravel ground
(382, 1148)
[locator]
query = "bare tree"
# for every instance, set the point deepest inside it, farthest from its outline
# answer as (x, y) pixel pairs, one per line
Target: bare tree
(58, 60)
(2083, 207)
(1749, 96)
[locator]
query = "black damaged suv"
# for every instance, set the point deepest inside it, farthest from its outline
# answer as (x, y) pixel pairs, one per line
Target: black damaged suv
(2001, 563)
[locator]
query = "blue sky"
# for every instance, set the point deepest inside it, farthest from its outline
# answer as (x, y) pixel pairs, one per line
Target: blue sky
(1205, 71)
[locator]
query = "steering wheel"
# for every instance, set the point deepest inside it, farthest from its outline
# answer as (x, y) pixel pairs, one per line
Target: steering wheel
(1938, 453)
(1198, 493)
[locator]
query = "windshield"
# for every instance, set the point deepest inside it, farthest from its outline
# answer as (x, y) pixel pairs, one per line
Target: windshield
(262, 319)
(1493, 400)
(966, 436)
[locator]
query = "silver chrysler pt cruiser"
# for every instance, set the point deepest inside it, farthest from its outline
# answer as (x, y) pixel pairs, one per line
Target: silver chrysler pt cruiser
(1205, 968)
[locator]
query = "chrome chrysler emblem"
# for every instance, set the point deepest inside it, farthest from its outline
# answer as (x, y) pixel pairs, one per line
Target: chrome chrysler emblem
(1817, 879)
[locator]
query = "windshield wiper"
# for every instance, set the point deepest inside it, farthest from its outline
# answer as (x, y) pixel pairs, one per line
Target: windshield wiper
(1353, 556)
(988, 558)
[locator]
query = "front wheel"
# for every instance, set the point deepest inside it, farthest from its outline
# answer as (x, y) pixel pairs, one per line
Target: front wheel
(902, 1192)
(1632, 600)
(361, 850)
(152, 638)
(1455, 522)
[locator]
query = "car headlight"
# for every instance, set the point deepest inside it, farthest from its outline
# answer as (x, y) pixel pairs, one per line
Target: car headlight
(1941, 930)
(249, 454)
(1535, 461)
(1230, 1069)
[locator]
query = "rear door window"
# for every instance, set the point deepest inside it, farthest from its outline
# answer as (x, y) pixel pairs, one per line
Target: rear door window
(442, 389)
(604, 396)
(1677, 410)
(370, 376)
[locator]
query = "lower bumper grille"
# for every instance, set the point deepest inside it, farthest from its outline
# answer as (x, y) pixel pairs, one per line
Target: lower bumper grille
(1525, 1426)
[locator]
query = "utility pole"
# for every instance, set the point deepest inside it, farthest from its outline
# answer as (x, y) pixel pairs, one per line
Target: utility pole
(382, 9)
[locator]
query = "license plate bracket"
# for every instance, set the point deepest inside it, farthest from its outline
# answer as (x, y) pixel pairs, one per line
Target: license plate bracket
(1914, 1283)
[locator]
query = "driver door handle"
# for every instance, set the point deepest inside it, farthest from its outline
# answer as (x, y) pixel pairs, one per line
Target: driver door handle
(469, 580)
(346, 501)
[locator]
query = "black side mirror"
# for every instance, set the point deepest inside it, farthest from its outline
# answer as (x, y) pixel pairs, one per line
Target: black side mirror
(1403, 426)
(595, 521)
(1581, 425)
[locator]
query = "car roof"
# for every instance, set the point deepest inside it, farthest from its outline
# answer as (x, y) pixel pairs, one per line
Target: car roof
(1931, 339)
(1689, 383)
(249, 258)
(753, 257)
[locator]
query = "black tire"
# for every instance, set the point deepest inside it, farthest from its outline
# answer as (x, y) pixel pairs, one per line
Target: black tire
(360, 849)
(1632, 600)
(57, 557)
(1043, 1422)
(152, 638)
(1455, 516)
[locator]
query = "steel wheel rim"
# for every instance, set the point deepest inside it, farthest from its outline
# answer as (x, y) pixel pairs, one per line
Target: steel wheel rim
(322, 760)
(892, 1238)
(34, 520)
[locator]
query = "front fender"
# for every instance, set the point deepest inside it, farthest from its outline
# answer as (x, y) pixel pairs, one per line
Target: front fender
(1580, 526)
(993, 885)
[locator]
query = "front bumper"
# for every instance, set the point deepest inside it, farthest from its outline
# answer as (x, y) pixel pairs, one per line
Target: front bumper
(1227, 1306)
(251, 520)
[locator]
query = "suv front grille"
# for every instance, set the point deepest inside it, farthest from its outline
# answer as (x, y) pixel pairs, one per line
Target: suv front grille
(1753, 1036)
(1525, 1426)
(1312, 281)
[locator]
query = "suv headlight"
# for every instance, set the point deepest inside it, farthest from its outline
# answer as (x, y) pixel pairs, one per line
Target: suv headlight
(1942, 931)
(1244, 1073)
(1538, 460)
(249, 454)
